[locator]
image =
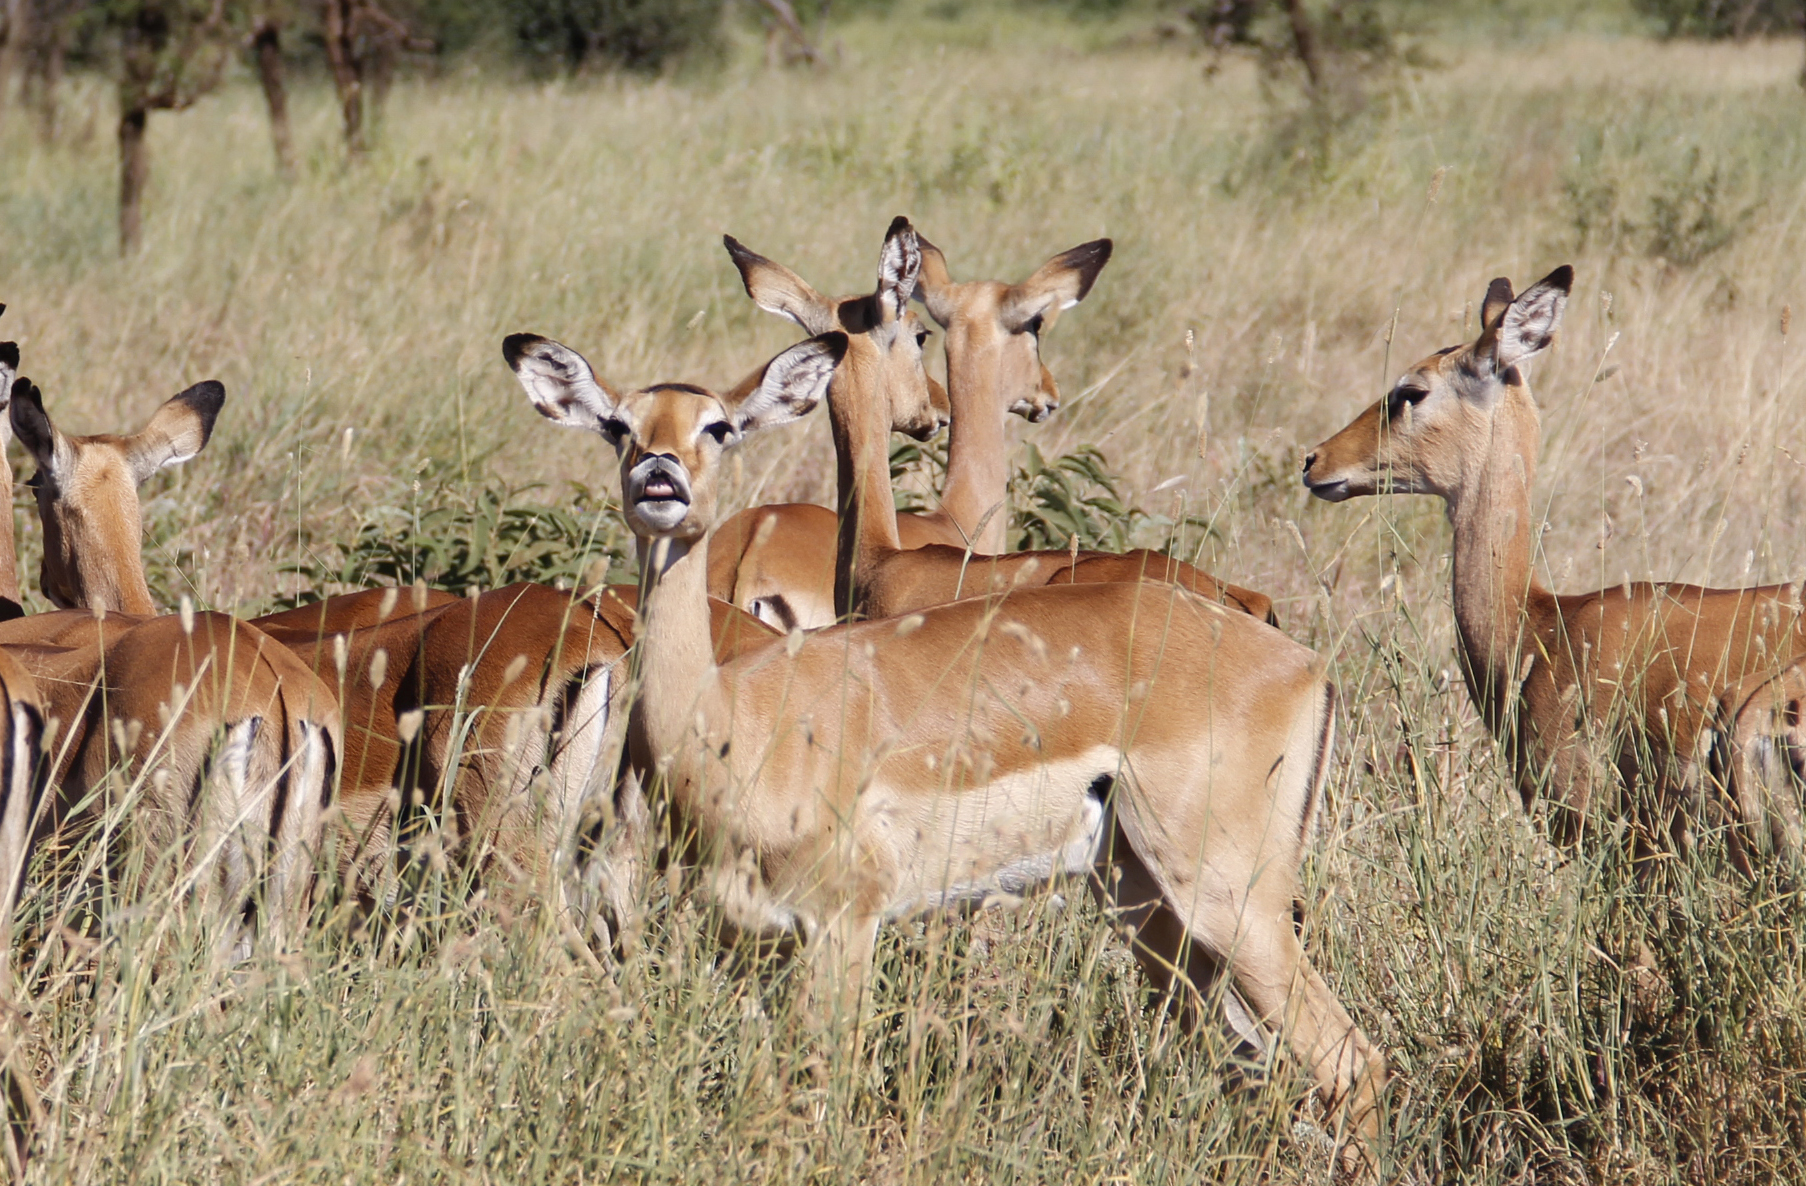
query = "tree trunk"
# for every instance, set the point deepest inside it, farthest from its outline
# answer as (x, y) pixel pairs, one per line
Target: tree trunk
(267, 42)
(1304, 40)
(18, 36)
(347, 70)
(134, 173)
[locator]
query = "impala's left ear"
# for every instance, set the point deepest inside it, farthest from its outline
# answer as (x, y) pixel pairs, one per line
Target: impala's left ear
(1528, 325)
(899, 263)
(793, 383)
(1060, 283)
(177, 431)
(560, 383)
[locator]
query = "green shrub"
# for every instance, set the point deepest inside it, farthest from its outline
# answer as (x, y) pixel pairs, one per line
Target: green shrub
(1724, 18)
(487, 538)
(1075, 496)
(636, 34)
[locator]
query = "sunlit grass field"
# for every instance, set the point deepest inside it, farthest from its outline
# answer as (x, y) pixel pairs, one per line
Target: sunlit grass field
(356, 316)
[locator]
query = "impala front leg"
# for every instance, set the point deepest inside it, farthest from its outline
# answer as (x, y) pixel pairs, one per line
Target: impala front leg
(837, 962)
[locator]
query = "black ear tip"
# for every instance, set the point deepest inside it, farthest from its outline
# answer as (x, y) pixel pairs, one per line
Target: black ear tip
(516, 346)
(206, 397)
(898, 225)
(741, 254)
(1562, 277)
(1102, 248)
(23, 389)
(9, 354)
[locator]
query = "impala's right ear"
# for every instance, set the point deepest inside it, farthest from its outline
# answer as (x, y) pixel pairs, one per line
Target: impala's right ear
(1060, 283)
(793, 383)
(560, 383)
(1527, 326)
(48, 447)
(934, 283)
(776, 289)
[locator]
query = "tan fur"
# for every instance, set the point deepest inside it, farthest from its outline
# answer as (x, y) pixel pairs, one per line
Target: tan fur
(890, 564)
(1589, 692)
(233, 743)
(864, 772)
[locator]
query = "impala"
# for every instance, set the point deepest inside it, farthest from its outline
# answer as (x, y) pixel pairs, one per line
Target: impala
(777, 562)
(836, 779)
(875, 575)
(234, 742)
(1639, 666)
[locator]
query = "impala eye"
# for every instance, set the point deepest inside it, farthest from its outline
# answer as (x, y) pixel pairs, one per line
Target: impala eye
(721, 430)
(1406, 395)
(921, 337)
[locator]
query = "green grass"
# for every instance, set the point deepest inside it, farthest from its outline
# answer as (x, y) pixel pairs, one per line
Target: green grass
(452, 1043)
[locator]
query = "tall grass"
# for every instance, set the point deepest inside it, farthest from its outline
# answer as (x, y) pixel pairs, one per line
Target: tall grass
(356, 316)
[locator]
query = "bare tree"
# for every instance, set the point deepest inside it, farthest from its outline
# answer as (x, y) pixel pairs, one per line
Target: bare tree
(361, 43)
(266, 47)
(171, 53)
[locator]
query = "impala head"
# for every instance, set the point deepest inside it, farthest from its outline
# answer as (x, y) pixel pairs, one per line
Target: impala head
(87, 490)
(671, 436)
(1440, 416)
(995, 328)
(892, 333)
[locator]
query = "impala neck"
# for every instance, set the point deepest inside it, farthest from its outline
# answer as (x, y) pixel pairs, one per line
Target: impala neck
(1494, 583)
(859, 416)
(978, 471)
(679, 684)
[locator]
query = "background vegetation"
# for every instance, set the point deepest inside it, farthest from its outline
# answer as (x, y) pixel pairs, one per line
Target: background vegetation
(1313, 241)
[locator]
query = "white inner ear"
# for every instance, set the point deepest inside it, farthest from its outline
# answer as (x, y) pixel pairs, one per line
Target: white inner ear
(794, 383)
(1529, 326)
(562, 386)
(786, 311)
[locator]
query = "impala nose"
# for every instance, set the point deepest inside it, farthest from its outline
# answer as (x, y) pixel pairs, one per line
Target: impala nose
(1310, 459)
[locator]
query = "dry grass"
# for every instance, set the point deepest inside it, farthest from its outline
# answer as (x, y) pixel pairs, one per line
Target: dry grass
(374, 299)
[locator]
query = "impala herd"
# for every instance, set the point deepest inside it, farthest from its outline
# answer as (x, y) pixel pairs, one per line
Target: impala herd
(849, 716)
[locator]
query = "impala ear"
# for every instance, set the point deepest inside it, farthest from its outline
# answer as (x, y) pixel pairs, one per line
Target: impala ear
(793, 383)
(177, 431)
(31, 424)
(934, 283)
(776, 289)
(1527, 326)
(1498, 296)
(899, 264)
(560, 383)
(1060, 283)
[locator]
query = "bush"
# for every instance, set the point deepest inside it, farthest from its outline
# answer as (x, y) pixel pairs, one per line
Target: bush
(489, 538)
(1075, 496)
(1724, 18)
(635, 34)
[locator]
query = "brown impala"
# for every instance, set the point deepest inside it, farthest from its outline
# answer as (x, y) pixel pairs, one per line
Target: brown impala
(1589, 692)
(1172, 748)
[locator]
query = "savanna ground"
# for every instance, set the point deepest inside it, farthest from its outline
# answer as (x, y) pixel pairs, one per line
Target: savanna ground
(356, 315)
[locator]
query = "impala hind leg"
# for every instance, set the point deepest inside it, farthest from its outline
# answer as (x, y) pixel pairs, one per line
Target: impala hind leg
(1761, 767)
(1184, 972)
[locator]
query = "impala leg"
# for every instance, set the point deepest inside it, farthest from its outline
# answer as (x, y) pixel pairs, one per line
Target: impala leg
(1249, 926)
(22, 783)
(838, 961)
